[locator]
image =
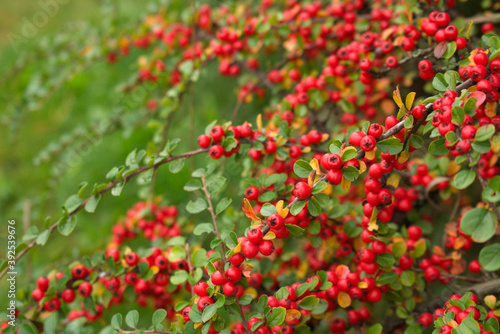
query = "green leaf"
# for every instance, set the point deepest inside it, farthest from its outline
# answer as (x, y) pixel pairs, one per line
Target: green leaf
(463, 179)
(407, 278)
(351, 173)
(348, 155)
(245, 299)
(91, 204)
(319, 187)
(179, 277)
(176, 165)
(489, 257)
(276, 317)
(31, 233)
(267, 210)
(297, 207)
(437, 147)
(375, 329)
(176, 253)
(222, 205)
(295, 230)
(468, 326)
(50, 324)
(116, 321)
(282, 293)
(193, 185)
(387, 278)
(197, 206)
(451, 47)
(199, 257)
(391, 145)
(158, 317)
(439, 82)
(66, 225)
(416, 141)
(208, 312)
(485, 132)
(302, 168)
(203, 228)
(385, 260)
(132, 318)
(479, 224)
(309, 302)
(43, 237)
(457, 115)
(313, 207)
(73, 202)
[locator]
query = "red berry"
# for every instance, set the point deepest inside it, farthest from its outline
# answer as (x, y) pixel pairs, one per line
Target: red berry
(302, 190)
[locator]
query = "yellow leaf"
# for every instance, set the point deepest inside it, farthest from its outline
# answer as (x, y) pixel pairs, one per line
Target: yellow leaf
(468, 29)
(345, 183)
(252, 292)
(259, 122)
(393, 180)
(279, 207)
(315, 165)
(292, 315)
(362, 165)
(155, 269)
(370, 155)
(344, 299)
(284, 213)
(198, 325)
(247, 209)
(306, 149)
(396, 95)
(256, 223)
(352, 148)
(409, 100)
(403, 157)
(280, 141)
(339, 82)
(237, 249)
(324, 137)
(270, 236)
(453, 324)
(304, 266)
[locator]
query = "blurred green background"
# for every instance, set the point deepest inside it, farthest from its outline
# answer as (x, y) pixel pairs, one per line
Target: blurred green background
(30, 188)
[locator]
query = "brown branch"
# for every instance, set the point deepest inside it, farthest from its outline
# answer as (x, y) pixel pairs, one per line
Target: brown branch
(242, 315)
(152, 331)
(214, 218)
(105, 190)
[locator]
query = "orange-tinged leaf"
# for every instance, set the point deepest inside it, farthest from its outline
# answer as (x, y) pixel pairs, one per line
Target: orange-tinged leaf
(324, 137)
(345, 183)
(259, 122)
(453, 324)
(155, 269)
(247, 210)
(490, 301)
(388, 107)
(292, 315)
(269, 236)
(311, 178)
(362, 285)
(453, 168)
(280, 141)
(458, 267)
(372, 224)
(339, 82)
(393, 180)
(284, 213)
(256, 223)
(342, 271)
(459, 242)
(491, 109)
(409, 100)
(451, 228)
(396, 95)
(344, 299)
(198, 325)
(306, 149)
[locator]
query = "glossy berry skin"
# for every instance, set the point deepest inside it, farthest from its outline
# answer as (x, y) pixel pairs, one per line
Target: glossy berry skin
(85, 289)
(204, 302)
(425, 319)
(367, 143)
(432, 274)
(37, 294)
(474, 266)
(303, 190)
(236, 259)
(414, 232)
(233, 274)
(132, 259)
(249, 250)
(200, 289)
(42, 283)
(204, 141)
(52, 305)
(252, 193)
(266, 247)
(68, 295)
(218, 278)
(217, 133)
(275, 221)
(216, 152)
(255, 236)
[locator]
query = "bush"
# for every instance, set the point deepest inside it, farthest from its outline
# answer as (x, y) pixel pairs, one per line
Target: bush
(320, 203)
